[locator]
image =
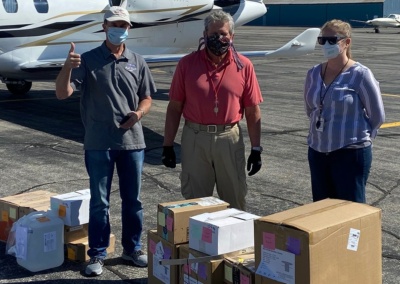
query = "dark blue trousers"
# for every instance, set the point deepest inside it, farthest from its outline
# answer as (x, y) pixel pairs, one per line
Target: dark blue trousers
(341, 174)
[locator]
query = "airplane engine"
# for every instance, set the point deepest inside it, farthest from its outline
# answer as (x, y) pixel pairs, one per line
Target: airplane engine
(160, 11)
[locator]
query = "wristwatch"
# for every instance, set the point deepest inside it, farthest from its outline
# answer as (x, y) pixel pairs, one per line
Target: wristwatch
(259, 148)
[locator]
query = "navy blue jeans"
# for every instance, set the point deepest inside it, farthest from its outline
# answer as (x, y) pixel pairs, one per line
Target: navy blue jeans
(341, 174)
(100, 167)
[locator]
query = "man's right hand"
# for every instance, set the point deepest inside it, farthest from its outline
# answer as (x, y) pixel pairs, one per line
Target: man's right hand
(63, 86)
(168, 157)
(74, 59)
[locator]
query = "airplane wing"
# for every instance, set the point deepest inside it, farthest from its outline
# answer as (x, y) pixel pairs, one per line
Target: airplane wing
(302, 44)
(359, 21)
(43, 64)
(364, 22)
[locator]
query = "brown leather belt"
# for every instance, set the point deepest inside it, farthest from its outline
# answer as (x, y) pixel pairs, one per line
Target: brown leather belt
(210, 128)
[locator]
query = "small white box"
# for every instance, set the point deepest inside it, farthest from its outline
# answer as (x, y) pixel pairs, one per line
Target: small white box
(72, 207)
(221, 232)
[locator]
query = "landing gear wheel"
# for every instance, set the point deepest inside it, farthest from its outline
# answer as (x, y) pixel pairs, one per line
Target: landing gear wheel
(376, 30)
(19, 89)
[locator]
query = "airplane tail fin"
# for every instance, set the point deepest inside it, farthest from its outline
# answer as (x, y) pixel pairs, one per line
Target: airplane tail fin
(302, 44)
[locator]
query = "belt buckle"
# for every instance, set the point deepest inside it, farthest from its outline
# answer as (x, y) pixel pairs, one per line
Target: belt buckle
(212, 128)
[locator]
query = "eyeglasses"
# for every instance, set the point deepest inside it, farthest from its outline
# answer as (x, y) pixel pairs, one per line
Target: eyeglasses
(331, 39)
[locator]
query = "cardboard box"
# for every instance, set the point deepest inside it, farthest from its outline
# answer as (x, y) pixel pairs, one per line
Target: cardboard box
(72, 207)
(240, 269)
(173, 217)
(221, 232)
(14, 207)
(329, 241)
(159, 249)
(77, 250)
(75, 233)
(208, 272)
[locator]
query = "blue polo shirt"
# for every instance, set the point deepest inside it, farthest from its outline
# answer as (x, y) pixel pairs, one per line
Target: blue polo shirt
(110, 88)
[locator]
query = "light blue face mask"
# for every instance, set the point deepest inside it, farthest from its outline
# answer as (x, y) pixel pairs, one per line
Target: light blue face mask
(331, 51)
(117, 35)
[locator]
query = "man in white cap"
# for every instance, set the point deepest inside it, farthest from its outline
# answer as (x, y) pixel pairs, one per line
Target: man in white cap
(116, 87)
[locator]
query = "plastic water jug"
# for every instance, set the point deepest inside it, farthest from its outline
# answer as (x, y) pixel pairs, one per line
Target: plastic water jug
(39, 241)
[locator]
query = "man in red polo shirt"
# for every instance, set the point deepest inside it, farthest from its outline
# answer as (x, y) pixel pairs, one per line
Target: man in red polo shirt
(213, 88)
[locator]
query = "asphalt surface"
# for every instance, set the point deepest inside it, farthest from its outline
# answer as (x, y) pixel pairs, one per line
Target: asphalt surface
(41, 148)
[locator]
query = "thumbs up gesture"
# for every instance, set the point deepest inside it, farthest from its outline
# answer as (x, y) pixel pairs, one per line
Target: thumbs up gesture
(74, 59)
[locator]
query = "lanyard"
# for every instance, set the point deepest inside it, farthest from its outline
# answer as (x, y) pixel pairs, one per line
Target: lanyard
(322, 96)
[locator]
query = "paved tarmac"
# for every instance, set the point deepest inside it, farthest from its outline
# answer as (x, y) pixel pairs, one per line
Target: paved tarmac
(41, 148)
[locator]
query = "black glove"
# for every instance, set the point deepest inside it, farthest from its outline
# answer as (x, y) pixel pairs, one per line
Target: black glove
(254, 162)
(168, 157)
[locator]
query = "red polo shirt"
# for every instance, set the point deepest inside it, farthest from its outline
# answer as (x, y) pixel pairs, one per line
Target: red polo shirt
(199, 85)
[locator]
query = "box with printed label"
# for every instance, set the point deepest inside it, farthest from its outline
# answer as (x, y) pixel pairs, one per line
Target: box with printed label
(173, 217)
(198, 267)
(329, 241)
(14, 207)
(77, 250)
(159, 249)
(239, 269)
(72, 207)
(208, 272)
(221, 232)
(75, 232)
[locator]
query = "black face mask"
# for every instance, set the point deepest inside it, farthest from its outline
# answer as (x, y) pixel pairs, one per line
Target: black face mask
(216, 45)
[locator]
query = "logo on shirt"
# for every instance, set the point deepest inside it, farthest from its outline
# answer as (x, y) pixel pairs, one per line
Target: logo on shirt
(130, 67)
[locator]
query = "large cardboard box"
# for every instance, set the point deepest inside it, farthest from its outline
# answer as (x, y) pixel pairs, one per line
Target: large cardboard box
(72, 207)
(77, 250)
(173, 217)
(15, 206)
(329, 241)
(240, 269)
(208, 272)
(159, 249)
(222, 232)
(199, 268)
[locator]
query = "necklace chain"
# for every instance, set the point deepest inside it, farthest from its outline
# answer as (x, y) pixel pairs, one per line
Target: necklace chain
(216, 89)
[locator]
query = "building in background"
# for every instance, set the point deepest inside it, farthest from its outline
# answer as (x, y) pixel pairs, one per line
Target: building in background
(314, 13)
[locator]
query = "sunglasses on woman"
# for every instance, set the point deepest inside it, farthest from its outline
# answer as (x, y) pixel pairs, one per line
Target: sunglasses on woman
(330, 39)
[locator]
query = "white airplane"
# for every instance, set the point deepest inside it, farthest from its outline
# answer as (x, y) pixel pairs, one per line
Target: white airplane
(391, 21)
(35, 35)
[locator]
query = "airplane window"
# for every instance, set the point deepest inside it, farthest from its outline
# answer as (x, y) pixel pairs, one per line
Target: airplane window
(115, 2)
(41, 6)
(11, 6)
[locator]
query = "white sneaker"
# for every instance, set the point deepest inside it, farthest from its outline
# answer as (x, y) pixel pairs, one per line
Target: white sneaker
(137, 257)
(95, 267)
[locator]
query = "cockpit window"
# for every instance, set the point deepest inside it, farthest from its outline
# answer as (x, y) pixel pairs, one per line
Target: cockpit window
(115, 2)
(41, 6)
(11, 6)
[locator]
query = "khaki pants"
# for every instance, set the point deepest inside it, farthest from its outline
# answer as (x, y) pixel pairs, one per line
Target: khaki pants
(210, 159)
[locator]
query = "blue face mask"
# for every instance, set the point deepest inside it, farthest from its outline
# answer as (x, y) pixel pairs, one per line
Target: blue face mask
(117, 35)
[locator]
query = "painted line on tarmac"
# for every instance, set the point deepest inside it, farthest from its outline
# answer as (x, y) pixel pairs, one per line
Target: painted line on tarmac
(391, 95)
(390, 124)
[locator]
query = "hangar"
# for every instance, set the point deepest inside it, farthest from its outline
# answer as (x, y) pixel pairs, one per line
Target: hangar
(312, 13)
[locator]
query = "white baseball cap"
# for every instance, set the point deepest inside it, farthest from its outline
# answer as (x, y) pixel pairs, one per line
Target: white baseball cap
(117, 13)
